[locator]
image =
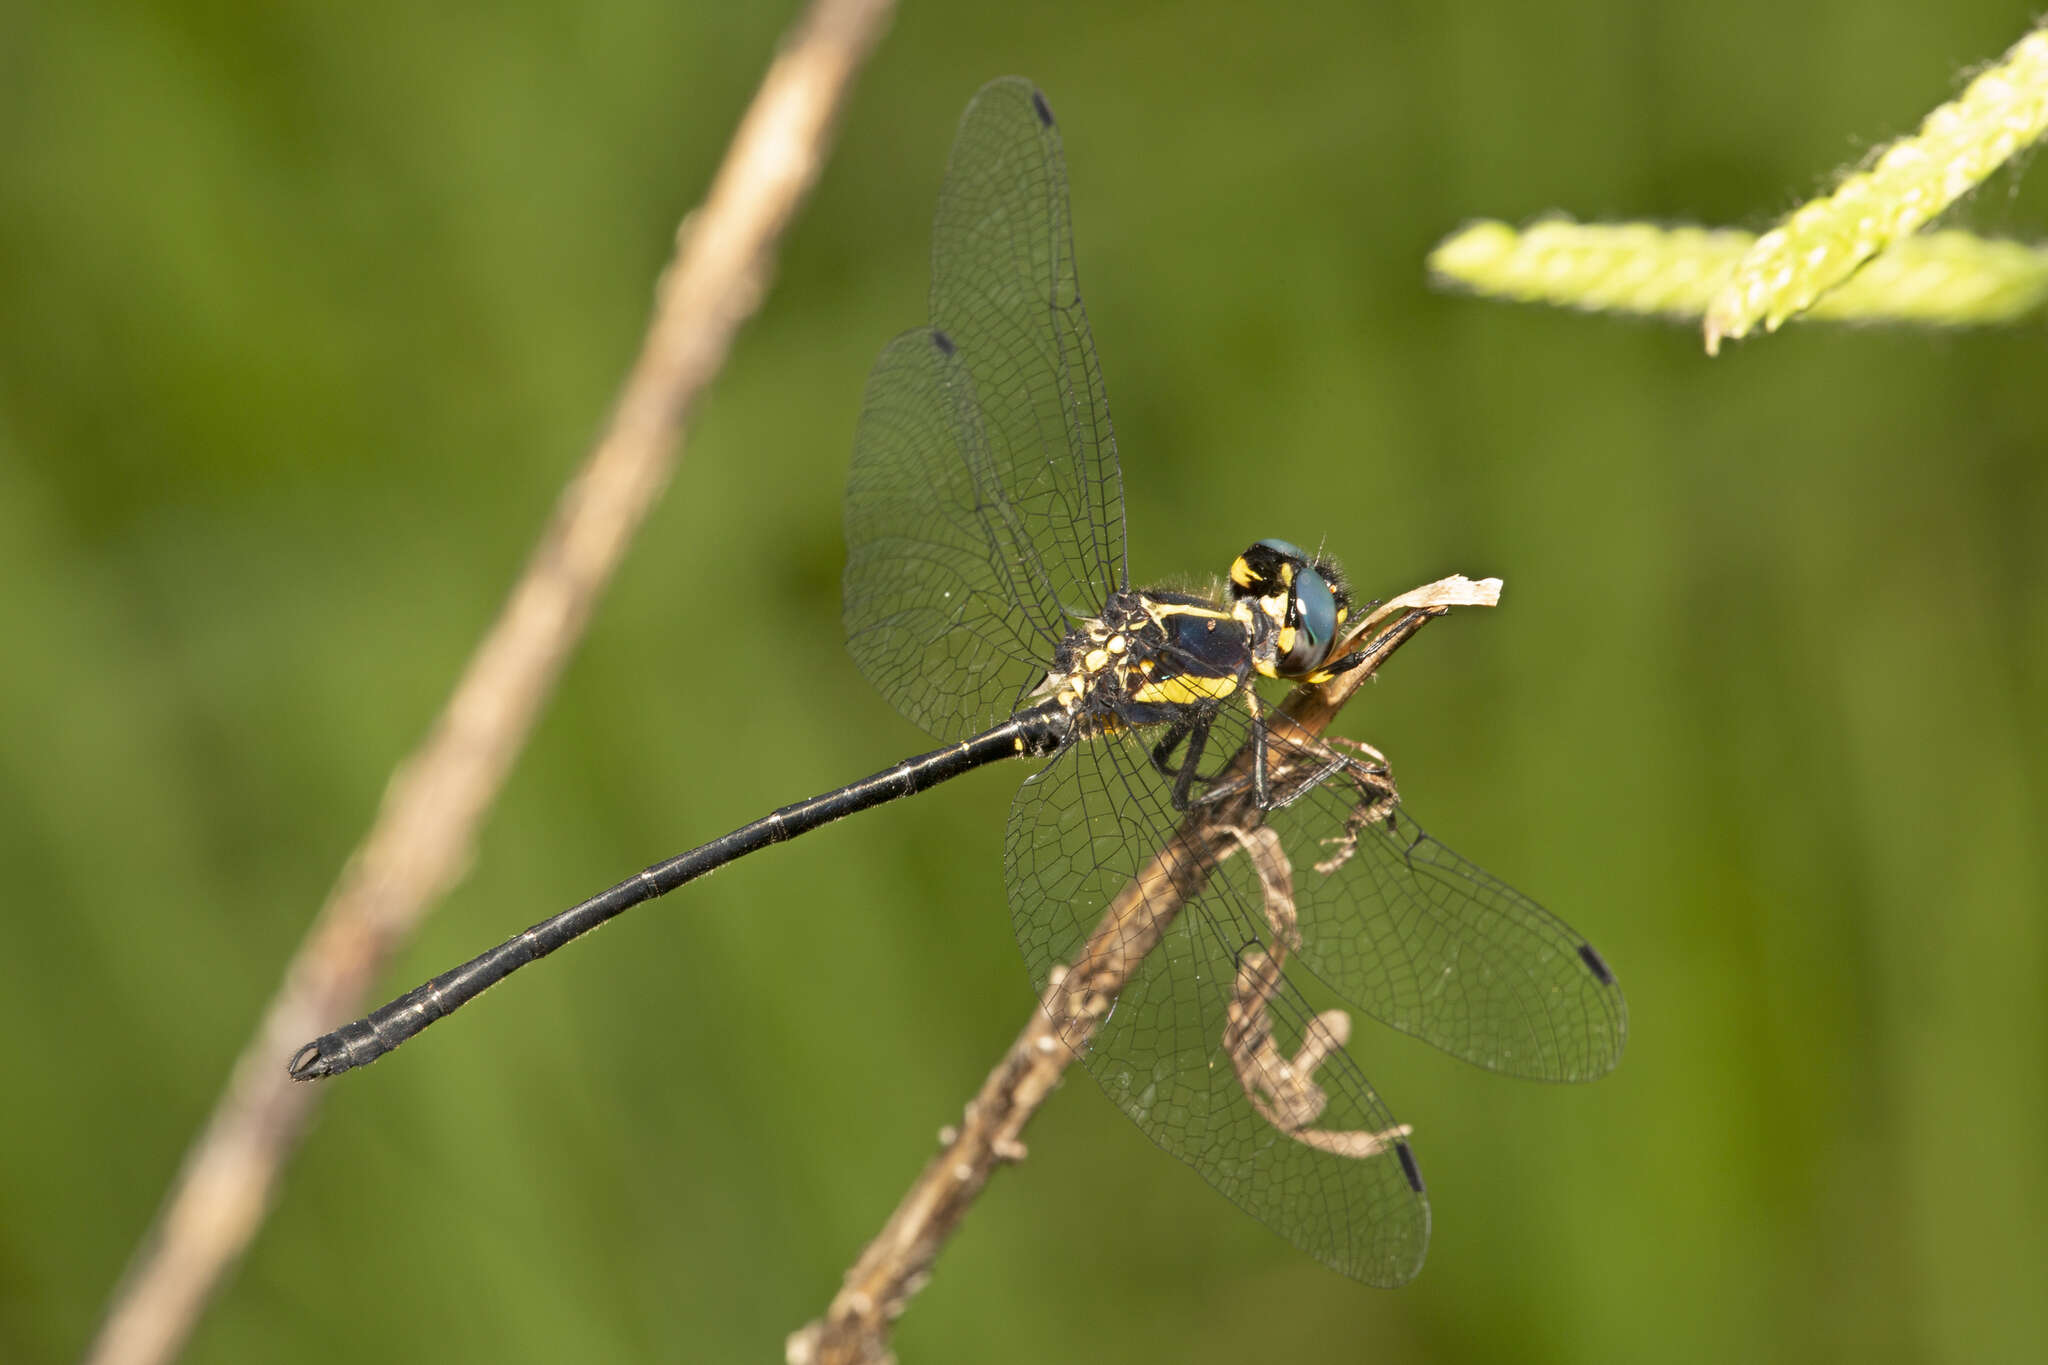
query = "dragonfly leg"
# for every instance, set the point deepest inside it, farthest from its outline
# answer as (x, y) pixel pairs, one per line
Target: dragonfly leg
(1379, 642)
(1262, 795)
(1162, 752)
(1197, 735)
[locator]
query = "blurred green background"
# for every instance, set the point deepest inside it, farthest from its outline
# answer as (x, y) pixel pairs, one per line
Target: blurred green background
(305, 311)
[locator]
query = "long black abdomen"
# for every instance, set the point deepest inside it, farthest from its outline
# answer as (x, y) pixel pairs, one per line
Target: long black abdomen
(1032, 733)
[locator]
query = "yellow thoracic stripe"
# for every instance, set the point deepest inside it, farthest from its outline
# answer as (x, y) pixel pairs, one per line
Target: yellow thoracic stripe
(1184, 689)
(1162, 609)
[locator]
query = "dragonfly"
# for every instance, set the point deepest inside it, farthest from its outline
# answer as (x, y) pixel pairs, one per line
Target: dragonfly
(1181, 851)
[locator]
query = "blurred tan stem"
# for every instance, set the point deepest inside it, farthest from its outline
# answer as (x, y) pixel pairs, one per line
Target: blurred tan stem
(422, 839)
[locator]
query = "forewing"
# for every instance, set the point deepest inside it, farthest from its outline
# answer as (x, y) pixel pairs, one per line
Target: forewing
(1004, 287)
(985, 509)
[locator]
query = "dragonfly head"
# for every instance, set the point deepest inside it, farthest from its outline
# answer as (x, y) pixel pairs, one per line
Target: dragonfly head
(1292, 605)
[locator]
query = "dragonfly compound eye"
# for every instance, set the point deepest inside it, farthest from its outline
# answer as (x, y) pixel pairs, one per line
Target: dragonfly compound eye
(1285, 586)
(1315, 624)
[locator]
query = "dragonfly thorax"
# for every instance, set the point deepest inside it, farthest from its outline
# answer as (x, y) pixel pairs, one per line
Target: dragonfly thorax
(1149, 659)
(1152, 657)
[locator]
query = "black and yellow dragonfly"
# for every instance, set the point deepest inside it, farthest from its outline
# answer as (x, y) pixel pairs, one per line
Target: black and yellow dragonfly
(1178, 846)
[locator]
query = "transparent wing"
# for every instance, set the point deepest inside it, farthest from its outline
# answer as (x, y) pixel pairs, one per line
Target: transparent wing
(985, 509)
(944, 609)
(1004, 288)
(1207, 1047)
(1423, 940)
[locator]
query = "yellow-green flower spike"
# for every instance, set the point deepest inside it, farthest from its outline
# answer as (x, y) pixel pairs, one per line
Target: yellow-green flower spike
(1942, 279)
(1599, 267)
(2004, 109)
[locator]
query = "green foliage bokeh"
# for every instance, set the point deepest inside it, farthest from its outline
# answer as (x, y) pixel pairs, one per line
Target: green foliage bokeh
(306, 310)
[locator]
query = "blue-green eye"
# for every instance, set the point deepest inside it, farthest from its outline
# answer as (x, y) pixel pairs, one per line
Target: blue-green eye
(1315, 622)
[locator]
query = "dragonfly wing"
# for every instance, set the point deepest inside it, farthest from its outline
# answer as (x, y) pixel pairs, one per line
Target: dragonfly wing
(985, 509)
(1429, 943)
(1206, 1046)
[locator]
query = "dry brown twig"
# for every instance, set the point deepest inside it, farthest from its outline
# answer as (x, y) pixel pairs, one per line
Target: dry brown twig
(1282, 1089)
(898, 1262)
(421, 841)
